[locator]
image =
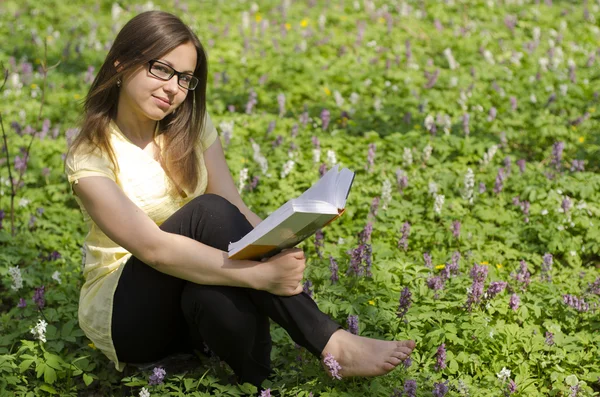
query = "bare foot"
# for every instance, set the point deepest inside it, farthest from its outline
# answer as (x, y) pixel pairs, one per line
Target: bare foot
(360, 356)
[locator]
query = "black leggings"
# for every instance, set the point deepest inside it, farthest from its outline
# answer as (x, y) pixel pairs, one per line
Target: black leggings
(156, 315)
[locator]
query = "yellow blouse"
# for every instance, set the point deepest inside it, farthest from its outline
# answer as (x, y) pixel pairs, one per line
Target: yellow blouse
(144, 181)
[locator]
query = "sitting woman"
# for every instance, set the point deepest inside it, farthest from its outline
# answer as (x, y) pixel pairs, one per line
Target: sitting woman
(150, 176)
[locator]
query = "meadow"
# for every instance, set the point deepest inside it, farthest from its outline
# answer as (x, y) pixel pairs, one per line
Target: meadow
(472, 226)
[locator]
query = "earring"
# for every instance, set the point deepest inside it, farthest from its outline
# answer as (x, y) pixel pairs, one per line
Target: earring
(119, 83)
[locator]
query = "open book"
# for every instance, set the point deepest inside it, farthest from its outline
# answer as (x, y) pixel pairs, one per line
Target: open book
(297, 219)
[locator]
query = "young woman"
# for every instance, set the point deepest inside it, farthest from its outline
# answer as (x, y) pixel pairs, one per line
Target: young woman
(150, 176)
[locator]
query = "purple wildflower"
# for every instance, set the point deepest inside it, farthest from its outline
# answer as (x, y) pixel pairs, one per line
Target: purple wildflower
(513, 103)
(441, 357)
(254, 183)
(22, 303)
(456, 229)
(549, 338)
(315, 141)
(407, 362)
(333, 268)
(507, 164)
(521, 164)
(500, 177)
(281, 103)
(478, 274)
(353, 324)
(277, 142)
(547, 267)
(319, 243)
(435, 283)
(512, 387)
(89, 75)
(365, 235)
(440, 389)
(307, 288)
(38, 297)
(403, 242)
(325, 118)
(495, 288)
(410, 388)
(574, 390)
(401, 180)
(2, 214)
(32, 220)
(252, 101)
(374, 207)
(157, 377)
(20, 163)
(431, 78)
(427, 258)
(493, 114)
(576, 303)
(481, 188)
(465, 122)
(265, 393)
(322, 170)
(523, 277)
(451, 268)
(577, 165)
(370, 157)
(514, 302)
(525, 207)
(294, 131)
(333, 366)
(304, 117)
(594, 288)
(405, 302)
(566, 204)
(557, 152)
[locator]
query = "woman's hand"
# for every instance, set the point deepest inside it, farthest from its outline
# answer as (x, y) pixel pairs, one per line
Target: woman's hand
(283, 272)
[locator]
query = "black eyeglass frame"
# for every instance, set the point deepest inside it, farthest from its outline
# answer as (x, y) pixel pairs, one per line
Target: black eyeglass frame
(173, 73)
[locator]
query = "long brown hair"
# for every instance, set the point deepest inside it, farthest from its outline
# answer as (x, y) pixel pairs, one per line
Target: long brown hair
(148, 36)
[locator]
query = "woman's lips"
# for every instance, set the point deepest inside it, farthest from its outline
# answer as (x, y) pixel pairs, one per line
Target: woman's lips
(161, 103)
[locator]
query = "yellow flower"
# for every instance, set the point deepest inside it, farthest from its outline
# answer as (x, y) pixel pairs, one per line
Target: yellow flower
(304, 23)
(343, 17)
(484, 263)
(288, 26)
(33, 86)
(244, 160)
(440, 266)
(592, 109)
(499, 265)
(372, 302)
(574, 127)
(92, 346)
(76, 96)
(417, 127)
(381, 20)
(258, 17)
(581, 139)
(327, 91)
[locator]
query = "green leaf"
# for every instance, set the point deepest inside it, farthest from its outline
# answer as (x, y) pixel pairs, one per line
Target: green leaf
(48, 389)
(49, 375)
(25, 364)
(87, 379)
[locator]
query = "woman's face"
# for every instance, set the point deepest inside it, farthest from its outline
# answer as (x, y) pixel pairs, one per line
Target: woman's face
(150, 97)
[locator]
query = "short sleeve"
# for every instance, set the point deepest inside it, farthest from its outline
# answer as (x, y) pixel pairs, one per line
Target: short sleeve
(209, 135)
(79, 165)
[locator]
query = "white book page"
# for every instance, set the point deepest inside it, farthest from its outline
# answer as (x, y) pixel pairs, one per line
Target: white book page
(324, 188)
(343, 185)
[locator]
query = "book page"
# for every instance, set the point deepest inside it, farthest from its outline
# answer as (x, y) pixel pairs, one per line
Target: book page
(324, 188)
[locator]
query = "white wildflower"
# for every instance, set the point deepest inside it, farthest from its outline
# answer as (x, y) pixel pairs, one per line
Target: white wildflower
(439, 203)
(563, 89)
(427, 153)
(386, 193)
(339, 99)
(354, 97)
(372, 44)
(544, 212)
(115, 11)
(543, 64)
(227, 129)
(469, 186)
(407, 157)
(429, 122)
(243, 179)
(17, 279)
(144, 392)
(287, 168)
(39, 331)
(341, 241)
(433, 188)
(536, 33)
(532, 98)
(316, 155)
(322, 21)
(489, 155)
(24, 202)
(453, 81)
(368, 82)
(259, 158)
(331, 159)
(451, 61)
(504, 374)
(489, 57)
(56, 277)
(245, 20)
(377, 104)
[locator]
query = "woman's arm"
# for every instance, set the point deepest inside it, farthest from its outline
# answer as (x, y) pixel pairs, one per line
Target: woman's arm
(221, 182)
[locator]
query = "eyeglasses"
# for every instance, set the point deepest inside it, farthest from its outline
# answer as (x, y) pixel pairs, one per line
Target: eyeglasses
(166, 72)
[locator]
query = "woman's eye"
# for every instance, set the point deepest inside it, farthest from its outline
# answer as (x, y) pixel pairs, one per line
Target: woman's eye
(186, 78)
